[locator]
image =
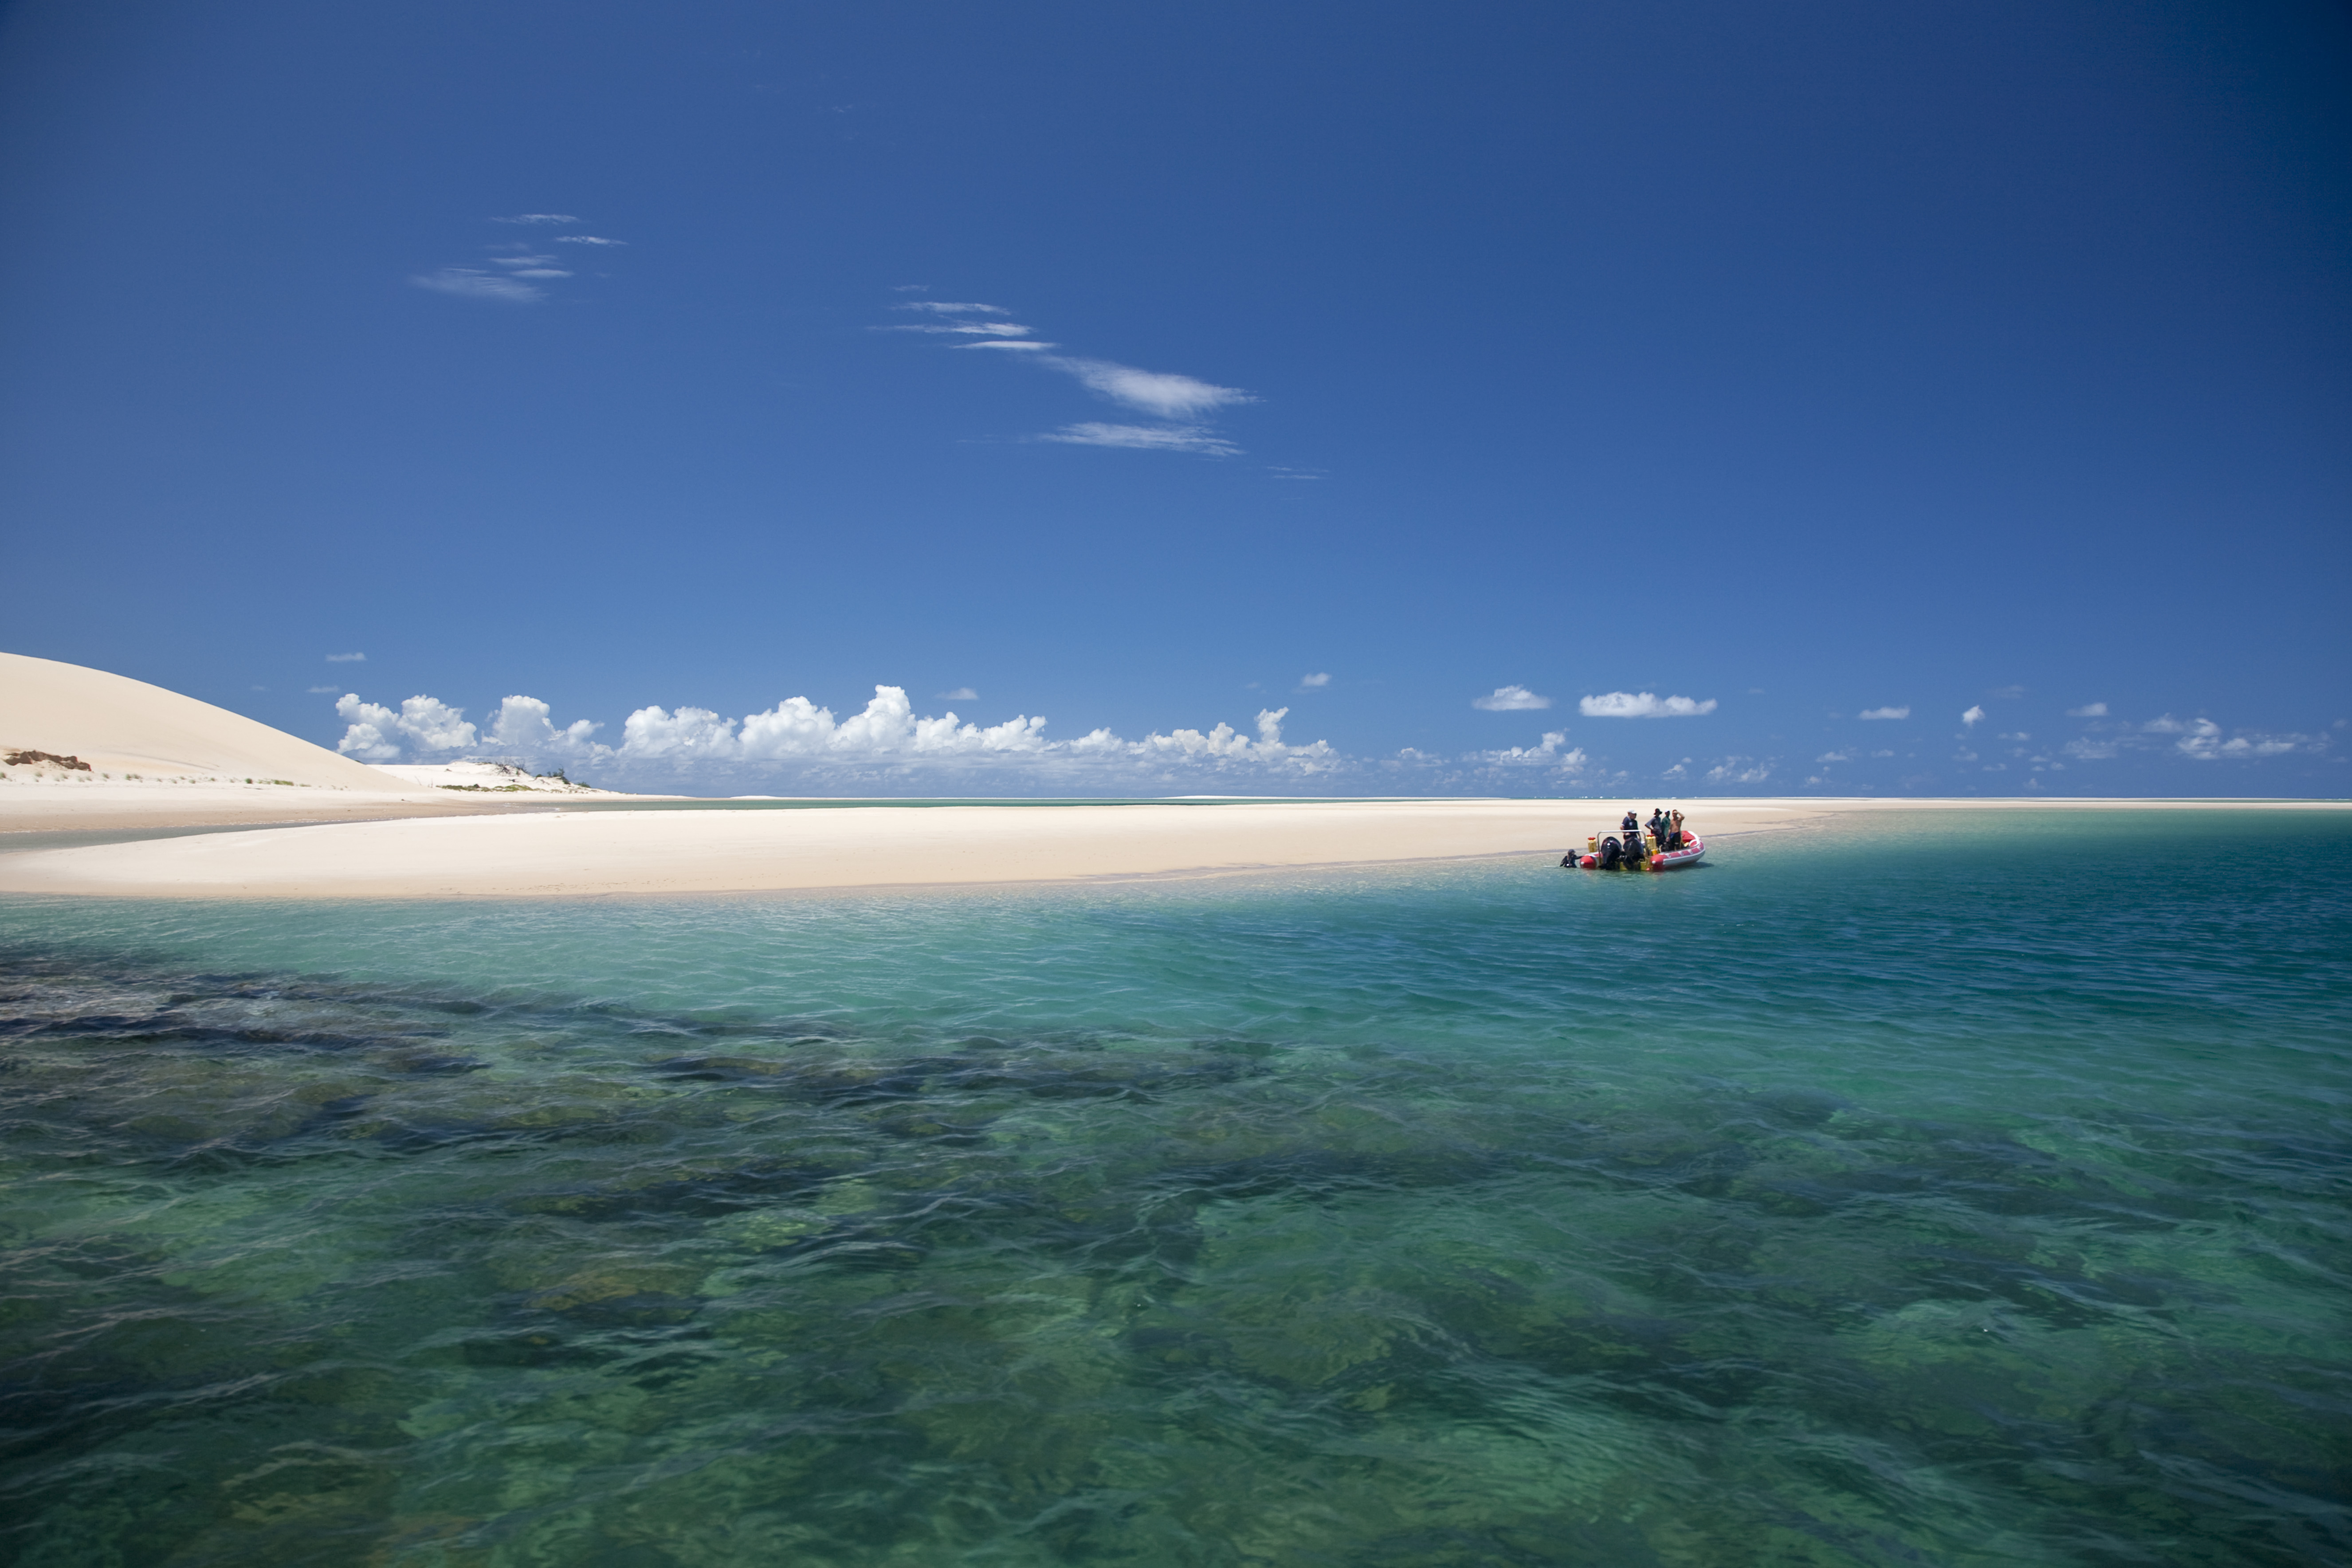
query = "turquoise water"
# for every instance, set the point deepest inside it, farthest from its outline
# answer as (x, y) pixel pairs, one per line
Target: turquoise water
(1939, 1189)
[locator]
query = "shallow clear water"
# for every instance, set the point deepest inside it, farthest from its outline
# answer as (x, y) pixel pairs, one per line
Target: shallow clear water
(1952, 1189)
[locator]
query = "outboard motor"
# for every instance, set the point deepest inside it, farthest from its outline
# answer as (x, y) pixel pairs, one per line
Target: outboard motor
(1611, 854)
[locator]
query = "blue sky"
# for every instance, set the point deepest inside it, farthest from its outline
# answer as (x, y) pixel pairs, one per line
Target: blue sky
(1701, 379)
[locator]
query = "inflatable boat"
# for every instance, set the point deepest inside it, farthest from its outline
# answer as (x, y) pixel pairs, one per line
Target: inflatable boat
(1601, 854)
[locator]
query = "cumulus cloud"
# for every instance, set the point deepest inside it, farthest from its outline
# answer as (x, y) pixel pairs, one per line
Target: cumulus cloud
(1641, 705)
(1511, 700)
(1973, 717)
(1312, 682)
(1546, 755)
(1834, 757)
(2201, 741)
(346, 658)
(473, 283)
(1143, 438)
(378, 734)
(522, 725)
(2088, 710)
(1886, 713)
(1739, 770)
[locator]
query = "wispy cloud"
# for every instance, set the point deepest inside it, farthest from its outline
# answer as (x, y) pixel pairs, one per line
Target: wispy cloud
(346, 658)
(321, 690)
(1642, 705)
(963, 329)
(527, 268)
(1181, 402)
(960, 694)
(473, 283)
(2088, 710)
(1143, 438)
(1156, 393)
(1510, 700)
(1886, 713)
(1313, 682)
(525, 264)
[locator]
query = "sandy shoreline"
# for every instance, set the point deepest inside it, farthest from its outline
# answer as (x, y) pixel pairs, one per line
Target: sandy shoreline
(428, 853)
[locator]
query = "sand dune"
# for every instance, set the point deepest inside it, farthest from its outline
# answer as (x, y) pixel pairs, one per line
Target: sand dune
(142, 757)
(121, 726)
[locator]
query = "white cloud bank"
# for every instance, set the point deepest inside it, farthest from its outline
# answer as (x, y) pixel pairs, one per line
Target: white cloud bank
(887, 739)
(1641, 705)
(1510, 700)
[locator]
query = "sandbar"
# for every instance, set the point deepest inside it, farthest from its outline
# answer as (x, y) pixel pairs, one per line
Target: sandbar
(571, 853)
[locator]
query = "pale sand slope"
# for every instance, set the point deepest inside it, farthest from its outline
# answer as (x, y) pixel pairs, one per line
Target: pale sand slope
(558, 853)
(195, 765)
(119, 726)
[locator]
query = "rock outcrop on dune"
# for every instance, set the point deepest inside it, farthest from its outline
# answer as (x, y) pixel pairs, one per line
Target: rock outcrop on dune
(122, 727)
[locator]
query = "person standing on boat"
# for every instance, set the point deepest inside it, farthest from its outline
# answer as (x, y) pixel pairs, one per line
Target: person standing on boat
(1631, 828)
